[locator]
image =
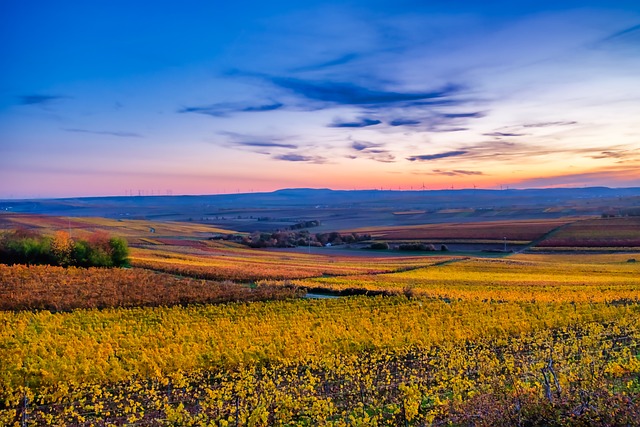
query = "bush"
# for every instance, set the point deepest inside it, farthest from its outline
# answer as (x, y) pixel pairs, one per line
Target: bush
(416, 247)
(25, 247)
(379, 246)
(100, 250)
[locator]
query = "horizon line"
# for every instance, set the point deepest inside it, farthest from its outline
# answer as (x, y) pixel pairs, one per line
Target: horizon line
(145, 193)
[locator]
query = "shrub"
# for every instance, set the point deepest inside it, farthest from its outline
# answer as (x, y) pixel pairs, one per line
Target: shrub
(99, 250)
(25, 247)
(379, 246)
(416, 247)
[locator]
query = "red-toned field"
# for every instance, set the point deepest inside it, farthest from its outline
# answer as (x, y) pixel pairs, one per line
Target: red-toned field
(598, 233)
(135, 231)
(42, 287)
(241, 263)
(519, 230)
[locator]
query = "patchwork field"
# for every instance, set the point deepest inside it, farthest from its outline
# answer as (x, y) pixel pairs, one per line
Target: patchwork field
(597, 233)
(518, 278)
(210, 332)
(515, 230)
(135, 231)
(243, 264)
(63, 289)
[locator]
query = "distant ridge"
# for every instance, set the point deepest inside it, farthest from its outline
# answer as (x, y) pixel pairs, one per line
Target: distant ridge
(314, 192)
(313, 196)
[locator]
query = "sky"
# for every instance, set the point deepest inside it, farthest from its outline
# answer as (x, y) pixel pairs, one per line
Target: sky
(117, 97)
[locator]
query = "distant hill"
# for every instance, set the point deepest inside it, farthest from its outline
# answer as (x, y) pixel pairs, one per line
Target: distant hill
(338, 209)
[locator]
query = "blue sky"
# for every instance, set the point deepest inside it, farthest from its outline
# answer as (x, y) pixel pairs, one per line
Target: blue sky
(114, 98)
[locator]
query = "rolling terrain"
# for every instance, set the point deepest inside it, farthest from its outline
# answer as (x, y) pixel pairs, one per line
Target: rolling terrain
(341, 210)
(204, 330)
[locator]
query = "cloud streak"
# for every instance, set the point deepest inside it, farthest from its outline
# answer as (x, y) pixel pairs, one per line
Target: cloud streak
(344, 59)
(120, 134)
(548, 124)
(37, 99)
(260, 144)
(347, 93)
(457, 172)
(404, 122)
(257, 143)
(503, 134)
(224, 109)
(598, 178)
(616, 154)
(428, 157)
(364, 145)
(360, 123)
(292, 157)
(635, 30)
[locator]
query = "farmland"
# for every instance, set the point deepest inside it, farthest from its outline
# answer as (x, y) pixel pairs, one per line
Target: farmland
(322, 352)
(518, 278)
(136, 231)
(239, 263)
(63, 289)
(597, 233)
(211, 332)
(515, 230)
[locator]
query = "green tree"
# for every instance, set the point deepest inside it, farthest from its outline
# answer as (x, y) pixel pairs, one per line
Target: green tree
(119, 252)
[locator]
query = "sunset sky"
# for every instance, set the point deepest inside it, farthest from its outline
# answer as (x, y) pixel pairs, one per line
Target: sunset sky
(131, 97)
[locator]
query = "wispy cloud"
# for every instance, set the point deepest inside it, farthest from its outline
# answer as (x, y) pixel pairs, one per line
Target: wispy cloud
(382, 156)
(472, 115)
(548, 124)
(623, 34)
(450, 122)
(456, 172)
(360, 123)
(346, 93)
(37, 99)
(292, 157)
(261, 144)
(224, 109)
(364, 145)
(372, 151)
(504, 150)
(436, 121)
(344, 59)
(503, 134)
(404, 122)
(369, 96)
(612, 176)
(427, 157)
(120, 134)
(616, 154)
(257, 143)
(447, 129)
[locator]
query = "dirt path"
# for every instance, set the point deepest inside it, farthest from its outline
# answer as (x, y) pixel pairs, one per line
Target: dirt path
(544, 237)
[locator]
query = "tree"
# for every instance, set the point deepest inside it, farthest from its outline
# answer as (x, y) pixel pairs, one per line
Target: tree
(119, 252)
(99, 253)
(62, 248)
(25, 247)
(81, 252)
(379, 246)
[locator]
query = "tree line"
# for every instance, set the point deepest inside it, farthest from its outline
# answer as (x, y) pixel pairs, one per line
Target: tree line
(29, 247)
(294, 238)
